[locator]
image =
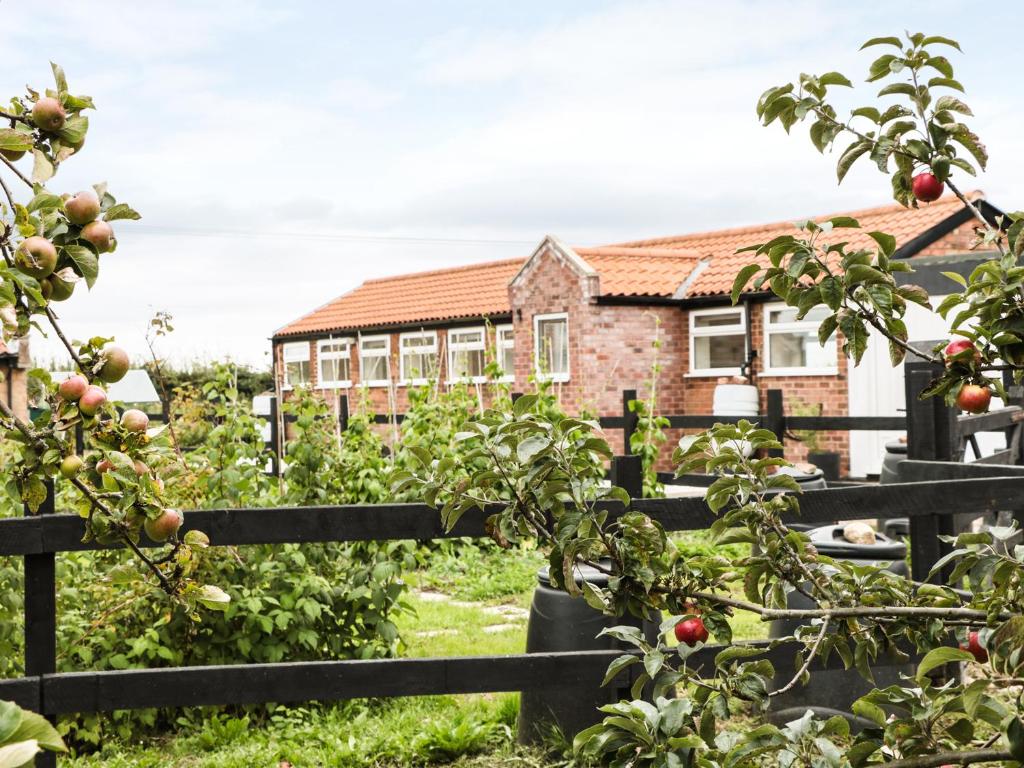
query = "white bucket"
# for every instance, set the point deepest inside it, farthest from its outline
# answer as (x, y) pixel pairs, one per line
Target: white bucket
(735, 400)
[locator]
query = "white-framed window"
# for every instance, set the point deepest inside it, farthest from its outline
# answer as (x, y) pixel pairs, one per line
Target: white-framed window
(466, 358)
(417, 357)
(295, 359)
(334, 363)
(551, 346)
(791, 346)
(505, 346)
(718, 341)
(374, 363)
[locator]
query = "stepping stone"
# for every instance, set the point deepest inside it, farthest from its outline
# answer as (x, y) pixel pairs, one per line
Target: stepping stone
(437, 632)
(494, 629)
(432, 597)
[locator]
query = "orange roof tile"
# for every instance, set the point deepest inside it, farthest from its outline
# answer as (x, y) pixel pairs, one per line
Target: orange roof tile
(478, 290)
(640, 271)
(657, 267)
(721, 245)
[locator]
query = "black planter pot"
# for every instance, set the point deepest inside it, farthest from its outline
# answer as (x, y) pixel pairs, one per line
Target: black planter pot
(827, 462)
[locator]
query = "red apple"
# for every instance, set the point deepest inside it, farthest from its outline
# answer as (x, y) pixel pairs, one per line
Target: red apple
(975, 648)
(100, 234)
(48, 114)
(115, 364)
(73, 387)
(161, 528)
(974, 398)
(691, 632)
(82, 208)
(141, 468)
(134, 420)
(36, 256)
(93, 399)
(926, 187)
(959, 346)
(104, 465)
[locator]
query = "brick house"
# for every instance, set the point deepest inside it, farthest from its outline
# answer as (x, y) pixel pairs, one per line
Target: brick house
(586, 317)
(14, 365)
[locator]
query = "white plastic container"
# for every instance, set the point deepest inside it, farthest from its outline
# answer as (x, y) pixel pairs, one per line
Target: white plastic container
(735, 400)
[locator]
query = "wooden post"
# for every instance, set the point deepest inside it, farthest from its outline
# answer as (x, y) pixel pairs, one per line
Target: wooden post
(775, 417)
(343, 413)
(627, 472)
(629, 421)
(41, 618)
(516, 395)
(275, 439)
(931, 436)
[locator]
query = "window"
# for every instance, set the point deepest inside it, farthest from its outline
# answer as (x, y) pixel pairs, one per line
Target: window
(505, 343)
(466, 354)
(374, 368)
(551, 346)
(295, 356)
(418, 361)
(791, 346)
(718, 341)
(333, 362)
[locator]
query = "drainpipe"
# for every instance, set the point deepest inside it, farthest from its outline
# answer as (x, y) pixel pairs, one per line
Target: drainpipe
(747, 369)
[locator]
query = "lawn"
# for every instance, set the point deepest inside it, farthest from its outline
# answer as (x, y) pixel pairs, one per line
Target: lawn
(466, 601)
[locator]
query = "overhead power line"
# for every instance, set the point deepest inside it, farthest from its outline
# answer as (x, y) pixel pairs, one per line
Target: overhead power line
(148, 229)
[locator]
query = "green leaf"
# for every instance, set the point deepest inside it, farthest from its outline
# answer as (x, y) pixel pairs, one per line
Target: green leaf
(42, 169)
(832, 292)
(937, 657)
(844, 222)
(37, 728)
(59, 78)
(121, 211)
(856, 334)
(869, 112)
(886, 242)
(742, 279)
(618, 665)
(849, 157)
(826, 329)
(213, 597)
(74, 129)
(956, 277)
(953, 104)
(970, 141)
(895, 41)
(10, 719)
(1015, 739)
(14, 140)
(947, 82)
(940, 63)
(86, 262)
(905, 89)
(835, 78)
(19, 754)
(940, 40)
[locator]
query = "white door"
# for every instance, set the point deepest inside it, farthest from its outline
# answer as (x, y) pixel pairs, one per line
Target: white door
(877, 389)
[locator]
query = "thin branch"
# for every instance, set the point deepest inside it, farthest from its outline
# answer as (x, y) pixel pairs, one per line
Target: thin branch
(7, 192)
(16, 118)
(67, 344)
(970, 206)
(949, 758)
(807, 664)
(16, 172)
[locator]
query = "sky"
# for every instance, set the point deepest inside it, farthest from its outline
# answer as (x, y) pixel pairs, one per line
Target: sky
(282, 153)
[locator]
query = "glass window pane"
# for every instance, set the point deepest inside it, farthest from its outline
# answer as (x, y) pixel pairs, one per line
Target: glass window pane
(715, 321)
(467, 362)
(727, 351)
(374, 368)
(374, 344)
(297, 373)
(788, 315)
(333, 369)
(799, 349)
(467, 337)
(553, 341)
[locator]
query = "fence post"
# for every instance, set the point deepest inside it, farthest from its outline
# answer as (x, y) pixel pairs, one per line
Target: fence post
(275, 439)
(629, 421)
(931, 436)
(41, 618)
(775, 417)
(343, 413)
(627, 472)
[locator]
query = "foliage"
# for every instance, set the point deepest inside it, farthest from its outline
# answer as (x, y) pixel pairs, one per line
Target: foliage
(23, 735)
(924, 132)
(649, 435)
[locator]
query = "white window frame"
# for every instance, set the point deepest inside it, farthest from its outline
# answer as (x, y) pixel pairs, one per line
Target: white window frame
(454, 347)
(428, 350)
(799, 326)
(385, 353)
(720, 330)
(322, 382)
(543, 375)
(500, 345)
(300, 357)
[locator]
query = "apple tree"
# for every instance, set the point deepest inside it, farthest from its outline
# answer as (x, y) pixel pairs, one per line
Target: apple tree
(545, 477)
(52, 245)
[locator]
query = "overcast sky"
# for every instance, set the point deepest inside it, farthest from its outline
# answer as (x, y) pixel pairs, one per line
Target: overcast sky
(281, 153)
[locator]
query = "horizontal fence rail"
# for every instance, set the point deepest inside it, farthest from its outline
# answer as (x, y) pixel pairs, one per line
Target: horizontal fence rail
(384, 522)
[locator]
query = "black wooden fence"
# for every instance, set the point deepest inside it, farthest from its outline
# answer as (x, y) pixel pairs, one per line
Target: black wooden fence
(943, 489)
